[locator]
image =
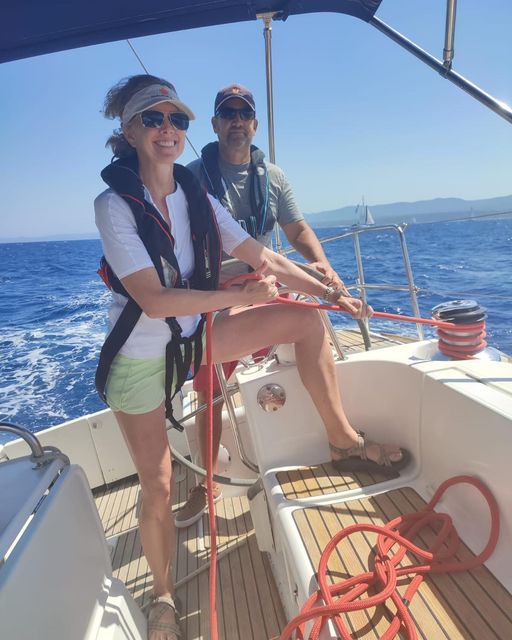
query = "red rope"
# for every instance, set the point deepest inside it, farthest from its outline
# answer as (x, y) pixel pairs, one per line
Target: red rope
(209, 483)
(463, 346)
(399, 533)
(447, 331)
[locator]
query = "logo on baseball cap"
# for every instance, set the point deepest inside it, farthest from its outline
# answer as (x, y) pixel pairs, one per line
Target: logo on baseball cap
(234, 91)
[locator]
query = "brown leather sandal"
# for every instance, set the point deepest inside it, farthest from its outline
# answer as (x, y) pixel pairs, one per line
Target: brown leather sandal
(155, 611)
(355, 458)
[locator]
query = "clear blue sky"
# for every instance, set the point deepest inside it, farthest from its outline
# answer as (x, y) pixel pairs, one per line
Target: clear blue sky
(354, 113)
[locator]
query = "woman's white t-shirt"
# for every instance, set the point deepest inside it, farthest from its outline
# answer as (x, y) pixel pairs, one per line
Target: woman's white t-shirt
(125, 252)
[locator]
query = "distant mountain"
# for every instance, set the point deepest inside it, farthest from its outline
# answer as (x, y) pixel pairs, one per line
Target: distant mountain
(420, 211)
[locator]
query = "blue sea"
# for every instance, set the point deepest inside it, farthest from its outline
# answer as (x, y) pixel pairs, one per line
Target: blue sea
(54, 306)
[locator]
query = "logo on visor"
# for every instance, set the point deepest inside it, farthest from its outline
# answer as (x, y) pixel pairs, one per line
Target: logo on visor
(164, 91)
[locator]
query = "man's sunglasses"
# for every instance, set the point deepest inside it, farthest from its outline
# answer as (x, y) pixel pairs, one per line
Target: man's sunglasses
(155, 119)
(230, 113)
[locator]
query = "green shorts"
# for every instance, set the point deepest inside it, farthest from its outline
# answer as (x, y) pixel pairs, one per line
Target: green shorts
(135, 386)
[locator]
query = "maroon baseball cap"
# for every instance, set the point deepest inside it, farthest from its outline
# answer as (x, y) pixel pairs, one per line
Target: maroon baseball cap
(234, 91)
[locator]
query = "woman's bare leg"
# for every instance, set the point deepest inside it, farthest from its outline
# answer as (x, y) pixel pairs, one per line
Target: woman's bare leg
(236, 334)
(146, 437)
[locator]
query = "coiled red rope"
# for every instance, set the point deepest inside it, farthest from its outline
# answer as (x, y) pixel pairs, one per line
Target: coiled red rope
(462, 341)
(385, 569)
(399, 533)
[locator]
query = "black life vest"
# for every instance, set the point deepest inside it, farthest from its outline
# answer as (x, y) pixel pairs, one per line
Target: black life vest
(181, 352)
(262, 219)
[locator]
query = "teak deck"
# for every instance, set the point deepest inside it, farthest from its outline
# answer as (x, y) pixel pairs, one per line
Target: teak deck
(248, 604)
(470, 605)
(317, 480)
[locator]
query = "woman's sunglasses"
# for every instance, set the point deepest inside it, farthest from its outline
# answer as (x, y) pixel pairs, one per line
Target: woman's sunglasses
(155, 119)
(230, 113)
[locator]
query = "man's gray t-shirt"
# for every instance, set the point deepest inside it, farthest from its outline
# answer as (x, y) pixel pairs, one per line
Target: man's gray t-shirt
(281, 202)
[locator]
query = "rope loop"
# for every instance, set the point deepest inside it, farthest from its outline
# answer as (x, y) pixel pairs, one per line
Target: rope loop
(348, 595)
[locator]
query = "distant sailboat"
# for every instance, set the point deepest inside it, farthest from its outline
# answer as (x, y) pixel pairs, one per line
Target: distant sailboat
(363, 214)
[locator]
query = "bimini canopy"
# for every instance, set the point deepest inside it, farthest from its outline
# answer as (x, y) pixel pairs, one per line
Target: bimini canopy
(33, 27)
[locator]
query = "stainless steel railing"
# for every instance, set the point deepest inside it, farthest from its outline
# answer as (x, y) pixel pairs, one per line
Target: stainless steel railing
(39, 454)
(361, 285)
(410, 287)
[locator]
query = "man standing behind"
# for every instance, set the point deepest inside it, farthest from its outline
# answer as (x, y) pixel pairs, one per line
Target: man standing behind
(258, 195)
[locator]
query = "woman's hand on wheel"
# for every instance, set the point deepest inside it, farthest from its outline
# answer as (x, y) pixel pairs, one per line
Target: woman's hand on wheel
(356, 307)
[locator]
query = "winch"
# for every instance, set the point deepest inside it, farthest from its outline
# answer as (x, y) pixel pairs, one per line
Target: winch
(466, 340)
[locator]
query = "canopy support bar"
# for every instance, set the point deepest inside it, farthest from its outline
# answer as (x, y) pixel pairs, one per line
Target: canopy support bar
(449, 35)
(500, 108)
(267, 34)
